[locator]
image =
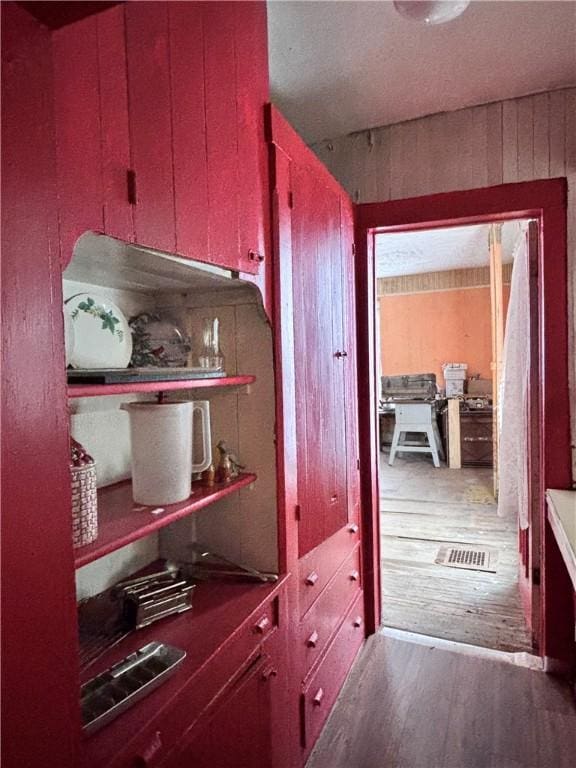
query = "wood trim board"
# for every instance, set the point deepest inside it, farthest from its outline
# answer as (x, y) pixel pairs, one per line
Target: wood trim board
(546, 202)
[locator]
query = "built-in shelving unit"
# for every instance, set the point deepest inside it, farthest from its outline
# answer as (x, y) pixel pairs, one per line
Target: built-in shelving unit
(98, 390)
(122, 521)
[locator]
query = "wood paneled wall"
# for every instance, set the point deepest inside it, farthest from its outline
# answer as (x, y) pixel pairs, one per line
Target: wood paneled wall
(533, 137)
(447, 280)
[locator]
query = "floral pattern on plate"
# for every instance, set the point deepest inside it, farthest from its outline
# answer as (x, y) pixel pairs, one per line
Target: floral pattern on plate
(102, 337)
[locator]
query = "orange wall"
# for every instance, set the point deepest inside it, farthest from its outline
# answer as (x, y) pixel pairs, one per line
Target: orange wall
(420, 331)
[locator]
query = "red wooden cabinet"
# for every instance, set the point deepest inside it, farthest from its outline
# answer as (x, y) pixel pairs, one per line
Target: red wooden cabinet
(186, 35)
(92, 136)
(321, 251)
(313, 230)
(238, 729)
(148, 63)
(159, 120)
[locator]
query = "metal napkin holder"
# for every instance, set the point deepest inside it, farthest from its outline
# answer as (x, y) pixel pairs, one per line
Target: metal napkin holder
(149, 598)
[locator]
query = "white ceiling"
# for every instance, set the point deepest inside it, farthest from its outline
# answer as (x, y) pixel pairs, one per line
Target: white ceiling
(338, 67)
(436, 250)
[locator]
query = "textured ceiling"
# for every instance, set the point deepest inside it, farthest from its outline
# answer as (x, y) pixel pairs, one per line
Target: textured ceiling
(338, 67)
(436, 250)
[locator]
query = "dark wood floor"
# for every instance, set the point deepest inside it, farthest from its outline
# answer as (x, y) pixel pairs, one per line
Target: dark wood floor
(408, 705)
(423, 508)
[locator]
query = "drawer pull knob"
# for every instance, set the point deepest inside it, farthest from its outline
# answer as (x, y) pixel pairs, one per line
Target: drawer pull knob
(354, 575)
(317, 700)
(311, 579)
(255, 256)
(353, 528)
(269, 672)
(357, 621)
(262, 625)
(334, 498)
(312, 641)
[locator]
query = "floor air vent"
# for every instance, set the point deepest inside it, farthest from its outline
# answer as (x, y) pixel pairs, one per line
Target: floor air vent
(472, 559)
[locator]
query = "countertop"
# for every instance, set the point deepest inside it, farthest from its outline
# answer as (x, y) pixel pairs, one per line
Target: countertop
(562, 517)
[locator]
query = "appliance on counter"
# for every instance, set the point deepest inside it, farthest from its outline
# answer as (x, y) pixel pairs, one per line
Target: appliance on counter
(455, 378)
(418, 386)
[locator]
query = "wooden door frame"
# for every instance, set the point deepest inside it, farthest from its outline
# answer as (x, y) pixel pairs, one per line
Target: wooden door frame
(545, 201)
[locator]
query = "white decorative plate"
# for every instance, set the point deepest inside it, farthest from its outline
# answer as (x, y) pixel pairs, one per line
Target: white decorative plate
(102, 337)
(68, 337)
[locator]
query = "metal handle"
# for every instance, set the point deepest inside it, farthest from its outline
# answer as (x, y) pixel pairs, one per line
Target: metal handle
(311, 579)
(131, 186)
(255, 256)
(317, 700)
(312, 641)
(269, 672)
(357, 621)
(353, 528)
(354, 576)
(477, 439)
(261, 626)
(340, 354)
(203, 408)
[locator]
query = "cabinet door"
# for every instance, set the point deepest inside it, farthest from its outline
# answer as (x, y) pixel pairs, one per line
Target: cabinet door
(252, 93)
(319, 357)
(77, 120)
(221, 133)
(114, 131)
(92, 140)
(189, 128)
(238, 732)
(149, 99)
(350, 362)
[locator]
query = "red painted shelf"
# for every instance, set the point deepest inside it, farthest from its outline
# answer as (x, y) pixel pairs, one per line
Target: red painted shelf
(121, 520)
(97, 390)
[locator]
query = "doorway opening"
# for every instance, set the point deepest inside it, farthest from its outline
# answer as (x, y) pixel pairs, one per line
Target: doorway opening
(450, 389)
(546, 591)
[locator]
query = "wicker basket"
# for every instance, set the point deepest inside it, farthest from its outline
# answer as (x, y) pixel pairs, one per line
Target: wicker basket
(84, 505)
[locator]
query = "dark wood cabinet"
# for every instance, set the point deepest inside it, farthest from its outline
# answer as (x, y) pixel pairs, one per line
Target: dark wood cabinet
(476, 440)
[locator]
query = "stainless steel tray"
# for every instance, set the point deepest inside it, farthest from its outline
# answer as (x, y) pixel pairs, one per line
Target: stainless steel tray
(109, 694)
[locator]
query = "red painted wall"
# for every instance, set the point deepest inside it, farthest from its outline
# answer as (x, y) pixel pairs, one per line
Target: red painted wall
(420, 331)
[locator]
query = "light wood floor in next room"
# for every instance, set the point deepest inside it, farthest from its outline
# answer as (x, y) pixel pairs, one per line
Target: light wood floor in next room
(423, 508)
(408, 705)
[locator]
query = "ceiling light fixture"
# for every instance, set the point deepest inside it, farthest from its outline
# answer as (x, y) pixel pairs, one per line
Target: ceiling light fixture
(431, 11)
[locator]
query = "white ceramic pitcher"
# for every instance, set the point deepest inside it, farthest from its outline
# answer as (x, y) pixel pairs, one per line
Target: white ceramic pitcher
(162, 435)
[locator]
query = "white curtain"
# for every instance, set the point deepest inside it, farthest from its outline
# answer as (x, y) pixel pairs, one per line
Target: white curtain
(513, 412)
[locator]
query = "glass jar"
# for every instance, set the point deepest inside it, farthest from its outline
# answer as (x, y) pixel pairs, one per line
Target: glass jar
(211, 356)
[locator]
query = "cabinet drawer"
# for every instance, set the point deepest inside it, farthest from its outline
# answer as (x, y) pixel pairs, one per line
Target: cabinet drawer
(320, 693)
(154, 742)
(319, 623)
(317, 567)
